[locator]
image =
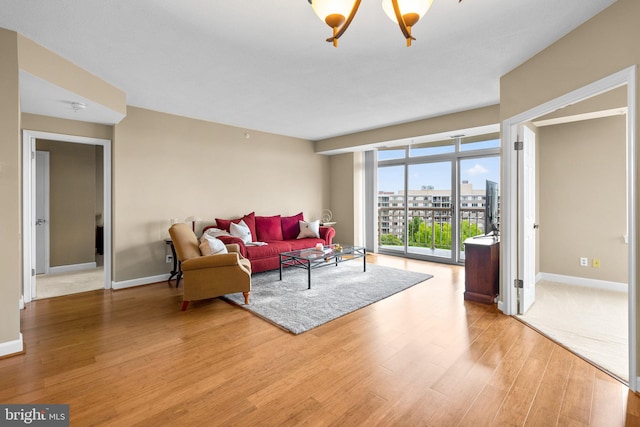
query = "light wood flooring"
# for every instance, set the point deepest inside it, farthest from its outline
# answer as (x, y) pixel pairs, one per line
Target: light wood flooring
(421, 357)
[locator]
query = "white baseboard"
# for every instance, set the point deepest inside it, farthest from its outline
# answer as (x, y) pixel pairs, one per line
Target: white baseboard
(139, 282)
(21, 302)
(587, 283)
(72, 267)
(11, 347)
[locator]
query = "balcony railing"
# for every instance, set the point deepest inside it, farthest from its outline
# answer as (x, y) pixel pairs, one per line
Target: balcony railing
(427, 227)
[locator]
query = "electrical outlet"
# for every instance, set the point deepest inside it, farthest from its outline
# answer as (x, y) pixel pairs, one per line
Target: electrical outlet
(596, 263)
(584, 262)
(169, 259)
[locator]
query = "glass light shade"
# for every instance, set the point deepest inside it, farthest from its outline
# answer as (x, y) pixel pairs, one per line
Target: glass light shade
(419, 7)
(324, 8)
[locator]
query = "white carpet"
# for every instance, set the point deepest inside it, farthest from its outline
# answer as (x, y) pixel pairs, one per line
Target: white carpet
(55, 285)
(590, 322)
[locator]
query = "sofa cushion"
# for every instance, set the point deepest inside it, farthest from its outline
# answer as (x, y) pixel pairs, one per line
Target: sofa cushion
(290, 226)
(241, 231)
(268, 228)
(309, 229)
(304, 243)
(249, 219)
(270, 250)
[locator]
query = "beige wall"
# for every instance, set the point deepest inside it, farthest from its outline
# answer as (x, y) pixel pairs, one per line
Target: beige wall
(167, 167)
(72, 201)
(10, 249)
(346, 192)
(582, 200)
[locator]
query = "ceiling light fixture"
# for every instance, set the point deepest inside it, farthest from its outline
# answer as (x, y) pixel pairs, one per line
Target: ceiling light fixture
(406, 13)
(338, 14)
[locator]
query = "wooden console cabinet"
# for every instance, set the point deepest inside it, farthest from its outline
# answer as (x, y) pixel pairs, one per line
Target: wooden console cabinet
(481, 269)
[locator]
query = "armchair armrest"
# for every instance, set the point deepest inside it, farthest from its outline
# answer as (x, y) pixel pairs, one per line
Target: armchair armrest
(217, 260)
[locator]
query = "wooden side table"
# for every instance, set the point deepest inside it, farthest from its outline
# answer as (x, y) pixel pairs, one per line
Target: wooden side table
(177, 267)
(482, 269)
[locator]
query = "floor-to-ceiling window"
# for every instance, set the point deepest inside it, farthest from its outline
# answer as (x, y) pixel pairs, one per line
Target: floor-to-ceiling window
(431, 195)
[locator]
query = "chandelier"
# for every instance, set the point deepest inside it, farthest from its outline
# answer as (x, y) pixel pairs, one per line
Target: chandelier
(338, 14)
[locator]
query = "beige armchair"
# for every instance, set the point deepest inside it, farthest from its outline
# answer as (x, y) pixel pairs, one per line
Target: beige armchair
(209, 276)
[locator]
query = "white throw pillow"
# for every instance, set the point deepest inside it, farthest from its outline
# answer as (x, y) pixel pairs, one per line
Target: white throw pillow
(216, 232)
(212, 246)
(241, 231)
(309, 229)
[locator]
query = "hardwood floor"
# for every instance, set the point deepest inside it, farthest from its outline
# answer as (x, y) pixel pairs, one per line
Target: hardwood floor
(421, 357)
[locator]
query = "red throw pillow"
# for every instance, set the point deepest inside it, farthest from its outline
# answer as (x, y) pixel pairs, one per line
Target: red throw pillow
(291, 226)
(249, 219)
(268, 228)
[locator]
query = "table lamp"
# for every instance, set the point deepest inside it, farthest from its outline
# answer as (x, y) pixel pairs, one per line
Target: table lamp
(192, 219)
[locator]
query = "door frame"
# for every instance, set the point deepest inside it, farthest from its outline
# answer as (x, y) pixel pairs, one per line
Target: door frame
(28, 203)
(47, 249)
(453, 196)
(509, 273)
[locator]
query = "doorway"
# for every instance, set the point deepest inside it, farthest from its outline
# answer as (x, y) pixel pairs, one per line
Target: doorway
(30, 246)
(515, 252)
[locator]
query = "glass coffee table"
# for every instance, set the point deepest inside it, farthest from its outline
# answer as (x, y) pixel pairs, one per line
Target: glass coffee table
(312, 258)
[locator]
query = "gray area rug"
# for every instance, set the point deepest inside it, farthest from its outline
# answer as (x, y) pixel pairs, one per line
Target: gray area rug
(335, 291)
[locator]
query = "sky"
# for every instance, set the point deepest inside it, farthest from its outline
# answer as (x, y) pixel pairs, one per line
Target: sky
(438, 175)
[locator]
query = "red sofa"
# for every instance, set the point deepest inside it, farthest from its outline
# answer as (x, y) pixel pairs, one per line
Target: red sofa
(280, 233)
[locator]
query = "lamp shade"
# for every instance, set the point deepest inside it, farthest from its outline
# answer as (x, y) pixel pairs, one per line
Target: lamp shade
(326, 8)
(418, 7)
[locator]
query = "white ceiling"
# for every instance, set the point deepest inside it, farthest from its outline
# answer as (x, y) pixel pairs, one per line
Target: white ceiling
(265, 65)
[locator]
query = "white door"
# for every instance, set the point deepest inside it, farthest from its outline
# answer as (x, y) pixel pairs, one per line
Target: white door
(42, 212)
(526, 220)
